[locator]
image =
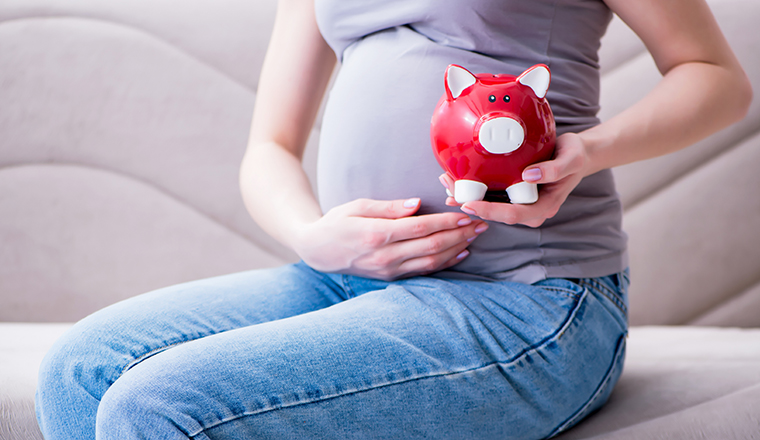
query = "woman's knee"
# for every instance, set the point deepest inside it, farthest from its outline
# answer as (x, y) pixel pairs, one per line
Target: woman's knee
(84, 357)
(145, 402)
(72, 377)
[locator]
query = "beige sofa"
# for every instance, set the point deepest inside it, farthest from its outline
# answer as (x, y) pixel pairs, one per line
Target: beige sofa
(122, 125)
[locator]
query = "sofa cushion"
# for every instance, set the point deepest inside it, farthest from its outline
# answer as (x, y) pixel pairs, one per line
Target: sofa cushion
(695, 244)
(683, 383)
(678, 383)
(113, 237)
(22, 347)
(691, 215)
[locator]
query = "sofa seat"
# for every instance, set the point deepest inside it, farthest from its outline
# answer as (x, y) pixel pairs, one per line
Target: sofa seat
(679, 382)
(682, 382)
(22, 347)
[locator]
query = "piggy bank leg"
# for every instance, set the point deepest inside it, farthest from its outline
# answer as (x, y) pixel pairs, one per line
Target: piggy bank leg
(523, 193)
(469, 191)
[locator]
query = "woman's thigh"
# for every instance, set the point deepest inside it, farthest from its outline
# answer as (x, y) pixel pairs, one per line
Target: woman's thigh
(89, 358)
(421, 358)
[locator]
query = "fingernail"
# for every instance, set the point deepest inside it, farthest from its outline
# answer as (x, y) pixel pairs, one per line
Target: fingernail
(465, 221)
(532, 175)
(463, 254)
(411, 203)
(467, 210)
(481, 228)
(443, 182)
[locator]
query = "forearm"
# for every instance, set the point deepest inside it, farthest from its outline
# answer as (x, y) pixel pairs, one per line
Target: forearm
(703, 88)
(692, 101)
(277, 192)
(293, 80)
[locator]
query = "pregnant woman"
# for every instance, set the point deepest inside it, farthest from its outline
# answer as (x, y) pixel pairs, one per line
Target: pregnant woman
(407, 317)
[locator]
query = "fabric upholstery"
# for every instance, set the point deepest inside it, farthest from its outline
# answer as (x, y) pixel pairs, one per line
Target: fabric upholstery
(22, 347)
(678, 383)
(682, 383)
(691, 216)
(169, 241)
(127, 96)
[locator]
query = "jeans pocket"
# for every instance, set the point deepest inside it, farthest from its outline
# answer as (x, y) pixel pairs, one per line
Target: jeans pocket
(613, 288)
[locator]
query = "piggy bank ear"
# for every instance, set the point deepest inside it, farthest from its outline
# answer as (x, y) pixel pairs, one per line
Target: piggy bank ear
(457, 79)
(537, 78)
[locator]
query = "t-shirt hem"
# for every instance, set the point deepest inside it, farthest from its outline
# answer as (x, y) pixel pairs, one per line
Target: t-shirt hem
(538, 271)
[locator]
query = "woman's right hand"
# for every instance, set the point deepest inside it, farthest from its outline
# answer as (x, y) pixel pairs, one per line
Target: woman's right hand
(383, 240)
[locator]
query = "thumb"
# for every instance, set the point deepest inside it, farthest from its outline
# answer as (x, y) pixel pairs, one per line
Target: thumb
(390, 209)
(570, 156)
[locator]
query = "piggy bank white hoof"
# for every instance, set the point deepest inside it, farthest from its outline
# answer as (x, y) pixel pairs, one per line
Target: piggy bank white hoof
(469, 191)
(523, 193)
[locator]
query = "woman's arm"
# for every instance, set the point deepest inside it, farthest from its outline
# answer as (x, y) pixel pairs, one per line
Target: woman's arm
(703, 90)
(378, 239)
(295, 74)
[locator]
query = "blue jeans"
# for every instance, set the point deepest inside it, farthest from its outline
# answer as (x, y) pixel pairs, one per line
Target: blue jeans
(292, 353)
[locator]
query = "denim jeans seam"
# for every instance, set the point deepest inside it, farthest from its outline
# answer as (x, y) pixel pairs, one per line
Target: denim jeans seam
(597, 393)
(138, 359)
(512, 361)
(347, 287)
(337, 282)
(614, 293)
(607, 292)
(568, 292)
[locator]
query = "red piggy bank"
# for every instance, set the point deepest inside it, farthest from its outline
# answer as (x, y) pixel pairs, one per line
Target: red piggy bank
(487, 129)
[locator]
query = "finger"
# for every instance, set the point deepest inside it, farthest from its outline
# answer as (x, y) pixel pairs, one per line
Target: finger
(431, 251)
(434, 263)
(511, 214)
(439, 242)
(422, 226)
(455, 260)
(570, 157)
(447, 181)
(499, 212)
(550, 199)
(388, 209)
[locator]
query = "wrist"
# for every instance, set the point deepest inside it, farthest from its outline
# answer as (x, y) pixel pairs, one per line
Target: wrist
(596, 142)
(297, 233)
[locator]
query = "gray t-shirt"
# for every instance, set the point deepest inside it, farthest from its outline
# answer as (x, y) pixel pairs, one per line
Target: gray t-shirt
(375, 136)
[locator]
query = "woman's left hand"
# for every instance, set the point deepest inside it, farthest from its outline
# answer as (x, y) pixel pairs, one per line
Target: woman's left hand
(558, 177)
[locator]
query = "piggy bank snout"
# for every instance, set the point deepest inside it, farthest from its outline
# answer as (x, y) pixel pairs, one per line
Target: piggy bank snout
(500, 134)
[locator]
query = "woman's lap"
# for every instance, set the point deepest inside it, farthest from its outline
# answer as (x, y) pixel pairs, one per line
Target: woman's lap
(98, 349)
(359, 358)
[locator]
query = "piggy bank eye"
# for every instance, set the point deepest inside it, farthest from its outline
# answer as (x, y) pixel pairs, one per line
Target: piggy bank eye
(492, 98)
(506, 98)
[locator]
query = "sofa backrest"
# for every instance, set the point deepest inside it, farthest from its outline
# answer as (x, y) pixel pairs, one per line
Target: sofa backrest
(693, 216)
(122, 125)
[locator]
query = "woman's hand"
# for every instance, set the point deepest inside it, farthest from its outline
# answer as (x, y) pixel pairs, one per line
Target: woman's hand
(558, 177)
(382, 240)
(375, 239)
